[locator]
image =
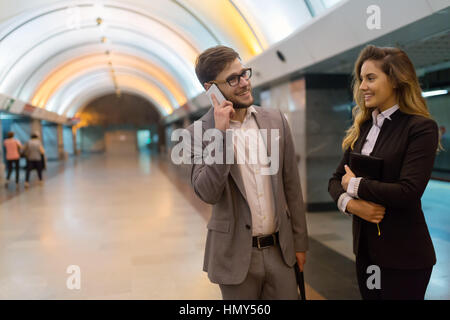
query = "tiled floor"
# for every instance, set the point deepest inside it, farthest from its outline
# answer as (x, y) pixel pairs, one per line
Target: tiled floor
(126, 226)
(137, 231)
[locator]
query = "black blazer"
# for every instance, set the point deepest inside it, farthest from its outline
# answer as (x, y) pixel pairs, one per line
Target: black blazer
(408, 145)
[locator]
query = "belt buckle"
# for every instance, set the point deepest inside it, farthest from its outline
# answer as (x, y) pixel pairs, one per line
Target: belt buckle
(259, 244)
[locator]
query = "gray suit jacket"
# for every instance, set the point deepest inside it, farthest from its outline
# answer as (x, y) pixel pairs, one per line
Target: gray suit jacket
(229, 240)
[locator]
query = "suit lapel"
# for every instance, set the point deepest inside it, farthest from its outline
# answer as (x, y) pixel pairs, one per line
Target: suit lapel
(265, 122)
(363, 136)
(237, 177)
(386, 131)
(208, 118)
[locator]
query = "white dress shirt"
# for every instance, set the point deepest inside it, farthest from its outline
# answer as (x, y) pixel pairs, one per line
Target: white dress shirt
(258, 187)
(353, 185)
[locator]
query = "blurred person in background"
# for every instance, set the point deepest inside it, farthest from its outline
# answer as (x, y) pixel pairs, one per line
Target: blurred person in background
(34, 152)
(13, 149)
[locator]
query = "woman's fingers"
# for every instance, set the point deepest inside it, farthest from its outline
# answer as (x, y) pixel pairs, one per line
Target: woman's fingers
(377, 219)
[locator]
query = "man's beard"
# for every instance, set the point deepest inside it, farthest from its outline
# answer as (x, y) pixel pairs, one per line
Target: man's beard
(237, 105)
(240, 106)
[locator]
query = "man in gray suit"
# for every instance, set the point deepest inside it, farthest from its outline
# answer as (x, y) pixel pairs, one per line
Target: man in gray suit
(257, 231)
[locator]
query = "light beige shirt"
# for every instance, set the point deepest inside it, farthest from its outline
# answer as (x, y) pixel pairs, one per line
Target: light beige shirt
(258, 187)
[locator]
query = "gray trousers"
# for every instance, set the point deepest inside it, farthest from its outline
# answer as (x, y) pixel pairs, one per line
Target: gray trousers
(268, 278)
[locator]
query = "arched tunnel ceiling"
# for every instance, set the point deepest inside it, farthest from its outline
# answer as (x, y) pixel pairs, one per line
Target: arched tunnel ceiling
(129, 109)
(60, 55)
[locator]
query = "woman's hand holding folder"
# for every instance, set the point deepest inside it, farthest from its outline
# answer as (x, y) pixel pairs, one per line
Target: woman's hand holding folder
(375, 211)
(346, 178)
(366, 210)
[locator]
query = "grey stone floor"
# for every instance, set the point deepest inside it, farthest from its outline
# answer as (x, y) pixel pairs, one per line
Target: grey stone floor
(136, 231)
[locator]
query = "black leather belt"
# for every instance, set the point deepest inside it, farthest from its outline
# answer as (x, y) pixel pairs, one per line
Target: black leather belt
(262, 242)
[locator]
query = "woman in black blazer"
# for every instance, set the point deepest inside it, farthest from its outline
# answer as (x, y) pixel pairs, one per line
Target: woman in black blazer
(391, 122)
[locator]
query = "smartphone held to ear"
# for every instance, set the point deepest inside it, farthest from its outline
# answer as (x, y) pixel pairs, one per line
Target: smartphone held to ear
(219, 96)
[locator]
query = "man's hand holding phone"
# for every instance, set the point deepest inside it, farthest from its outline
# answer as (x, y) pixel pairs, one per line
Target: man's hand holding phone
(222, 113)
(223, 109)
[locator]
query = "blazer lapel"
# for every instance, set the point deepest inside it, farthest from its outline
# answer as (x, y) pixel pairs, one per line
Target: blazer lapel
(237, 177)
(265, 122)
(208, 118)
(385, 131)
(365, 128)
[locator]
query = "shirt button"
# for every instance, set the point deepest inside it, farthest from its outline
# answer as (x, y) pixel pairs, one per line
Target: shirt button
(247, 226)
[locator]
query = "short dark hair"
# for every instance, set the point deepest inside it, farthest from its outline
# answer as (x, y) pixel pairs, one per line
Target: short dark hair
(213, 61)
(10, 135)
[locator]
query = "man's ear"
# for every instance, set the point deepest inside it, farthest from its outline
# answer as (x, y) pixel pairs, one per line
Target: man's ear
(207, 85)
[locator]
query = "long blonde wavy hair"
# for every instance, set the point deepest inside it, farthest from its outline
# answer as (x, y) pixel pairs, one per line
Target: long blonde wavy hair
(400, 70)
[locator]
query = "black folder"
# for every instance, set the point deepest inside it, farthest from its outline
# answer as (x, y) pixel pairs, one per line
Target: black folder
(366, 166)
(300, 281)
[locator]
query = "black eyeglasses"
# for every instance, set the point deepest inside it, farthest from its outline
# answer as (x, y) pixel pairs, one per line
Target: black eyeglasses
(235, 79)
